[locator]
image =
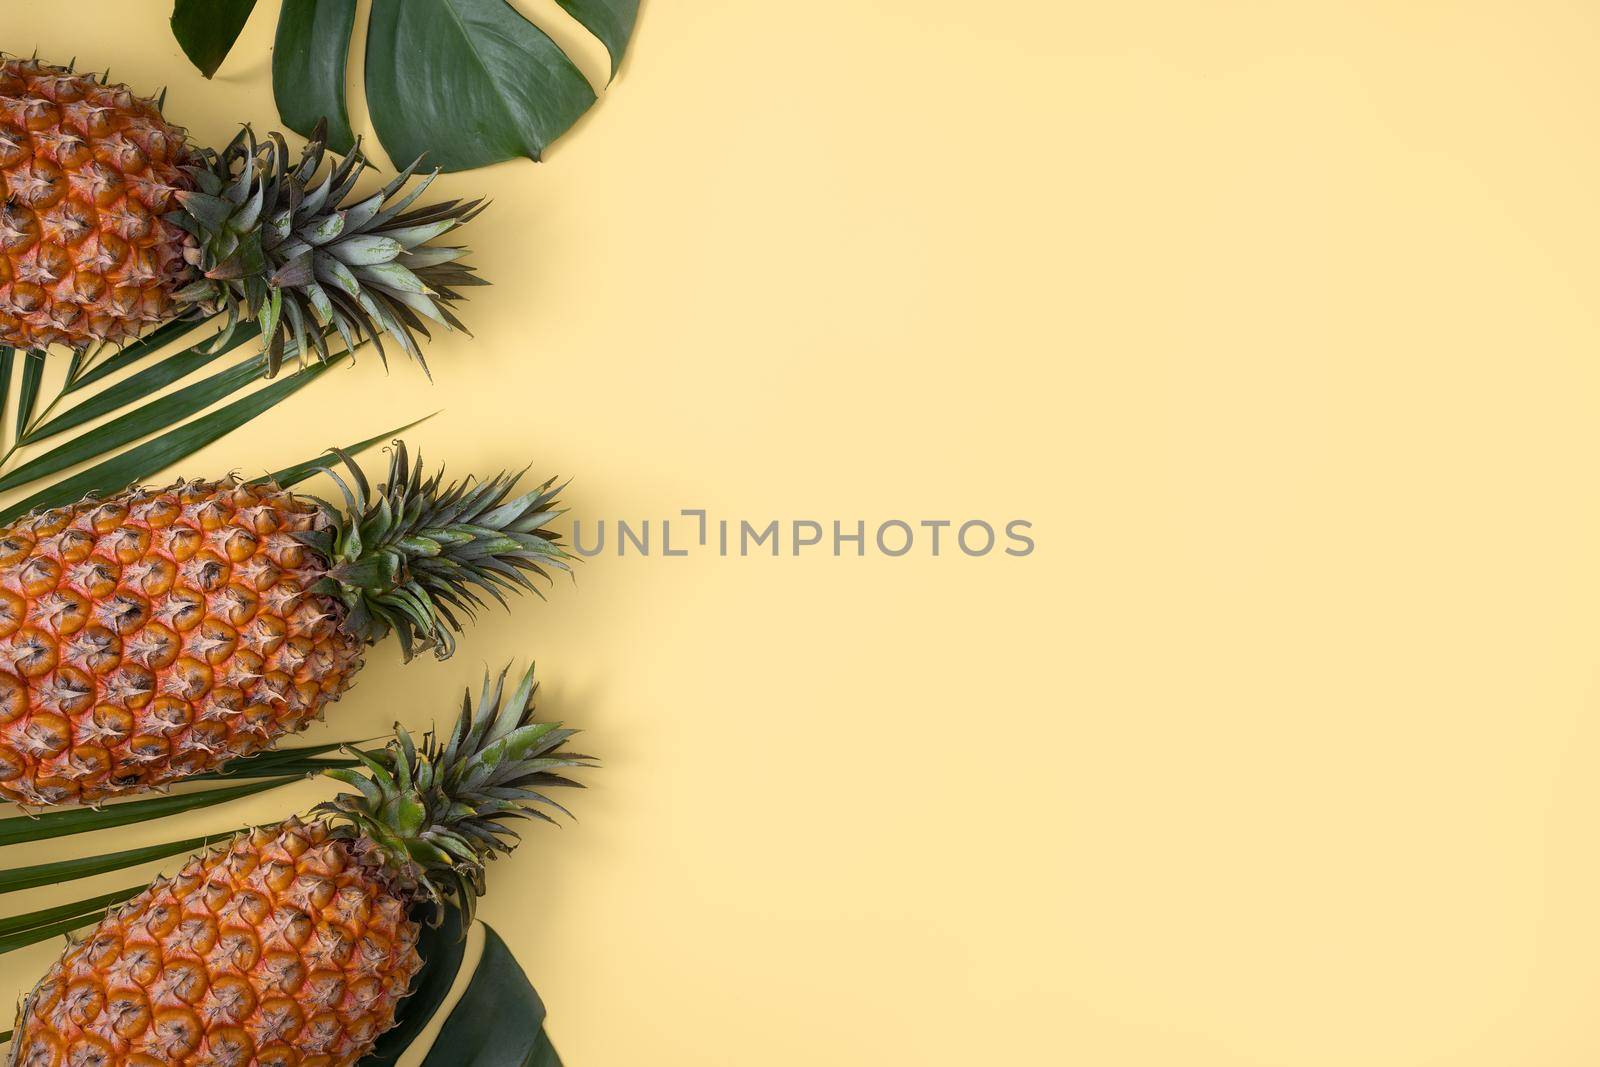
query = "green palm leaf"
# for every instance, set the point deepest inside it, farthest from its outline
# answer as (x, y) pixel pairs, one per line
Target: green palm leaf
(299, 472)
(153, 379)
(32, 377)
(164, 411)
(104, 364)
(170, 408)
(30, 928)
(18, 878)
(64, 823)
(277, 762)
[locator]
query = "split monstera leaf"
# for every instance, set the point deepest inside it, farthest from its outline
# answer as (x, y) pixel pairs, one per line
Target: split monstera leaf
(466, 82)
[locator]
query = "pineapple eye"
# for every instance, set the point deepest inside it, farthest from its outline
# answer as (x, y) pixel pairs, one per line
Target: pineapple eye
(40, 575)
(13, 549)
(125, 612)
(39, 1053)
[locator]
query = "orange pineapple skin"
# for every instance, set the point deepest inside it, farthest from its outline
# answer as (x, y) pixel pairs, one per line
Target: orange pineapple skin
(157, 634)
(86, 173)
(285, 948)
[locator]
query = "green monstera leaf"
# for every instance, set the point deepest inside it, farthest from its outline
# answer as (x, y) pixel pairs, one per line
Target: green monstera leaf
(207, 29)
(468, 82)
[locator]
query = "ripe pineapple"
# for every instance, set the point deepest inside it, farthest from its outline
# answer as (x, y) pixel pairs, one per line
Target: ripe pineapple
(293, 945)
(112, 222)
(159, 633)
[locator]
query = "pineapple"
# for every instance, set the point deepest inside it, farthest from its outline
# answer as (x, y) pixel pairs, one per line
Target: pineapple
(158, 633)
(112, 222)
(293, 945)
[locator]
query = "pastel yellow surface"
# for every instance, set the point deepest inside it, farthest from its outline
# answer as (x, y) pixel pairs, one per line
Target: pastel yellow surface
(1278, 320)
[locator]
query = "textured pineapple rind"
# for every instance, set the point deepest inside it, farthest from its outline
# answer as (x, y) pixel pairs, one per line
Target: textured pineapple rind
(158, 633)
(286, 946)
(87, 172)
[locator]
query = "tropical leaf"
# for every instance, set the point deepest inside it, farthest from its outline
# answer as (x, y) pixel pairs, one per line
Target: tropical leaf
(299, 472)
(610, 20)
(64, 823)
(8, 356)
(161, 452)
(102, 364)
(511, 92)
(48, 916)
(498, 1020)
(206, 29)
(30, 928)
(168, 410)
(151, 380)
(544, 1053)
(32, 376)
(276, 763)
(308, 62)
(18, 878)
(264, 772)
(442, 949)
(467, 82)
(104, 400)
(255, 774)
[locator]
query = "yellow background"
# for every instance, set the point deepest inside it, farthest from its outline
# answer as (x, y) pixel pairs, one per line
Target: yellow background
(1277, 319)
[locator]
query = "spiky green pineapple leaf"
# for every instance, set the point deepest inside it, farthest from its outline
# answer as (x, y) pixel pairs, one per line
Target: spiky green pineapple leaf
(436, 810)
(289, 246)
(419, 554)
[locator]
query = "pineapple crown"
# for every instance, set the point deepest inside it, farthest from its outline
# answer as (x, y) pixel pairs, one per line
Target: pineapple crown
(413, 556)
(435, 814)
(275, 245)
